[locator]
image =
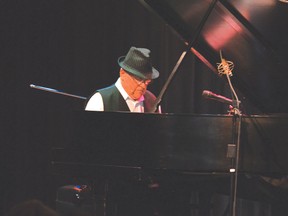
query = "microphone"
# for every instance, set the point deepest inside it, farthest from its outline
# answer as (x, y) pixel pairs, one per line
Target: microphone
(210, 95)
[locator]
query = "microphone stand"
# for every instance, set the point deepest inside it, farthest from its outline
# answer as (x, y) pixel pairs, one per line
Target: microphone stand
(234, 149)
(226, 67)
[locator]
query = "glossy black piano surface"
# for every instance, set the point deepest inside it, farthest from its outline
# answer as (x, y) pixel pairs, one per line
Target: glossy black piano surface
(176, 142)
(252, 34)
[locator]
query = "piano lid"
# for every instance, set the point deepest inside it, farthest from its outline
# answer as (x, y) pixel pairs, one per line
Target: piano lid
(253, 34)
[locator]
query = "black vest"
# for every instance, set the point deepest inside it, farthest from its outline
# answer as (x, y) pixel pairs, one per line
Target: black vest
(113, 100)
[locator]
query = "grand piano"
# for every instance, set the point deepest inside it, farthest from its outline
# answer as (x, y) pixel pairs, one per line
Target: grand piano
(252, 33)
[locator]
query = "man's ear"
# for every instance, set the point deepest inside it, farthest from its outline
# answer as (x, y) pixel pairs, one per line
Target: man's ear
(122, 74)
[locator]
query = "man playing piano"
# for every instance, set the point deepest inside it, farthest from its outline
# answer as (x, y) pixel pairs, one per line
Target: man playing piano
(129, 93)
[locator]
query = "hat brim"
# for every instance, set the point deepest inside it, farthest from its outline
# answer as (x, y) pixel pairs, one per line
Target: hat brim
(153, 75)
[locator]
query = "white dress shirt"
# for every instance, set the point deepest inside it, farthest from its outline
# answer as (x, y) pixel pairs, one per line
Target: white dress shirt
(96, 102)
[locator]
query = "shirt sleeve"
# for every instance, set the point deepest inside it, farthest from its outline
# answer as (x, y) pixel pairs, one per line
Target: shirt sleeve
(95, 103)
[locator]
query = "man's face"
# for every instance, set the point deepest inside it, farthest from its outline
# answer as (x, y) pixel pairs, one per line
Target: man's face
(134, 86)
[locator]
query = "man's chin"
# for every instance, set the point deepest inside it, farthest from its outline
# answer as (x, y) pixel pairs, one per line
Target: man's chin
(137, 96)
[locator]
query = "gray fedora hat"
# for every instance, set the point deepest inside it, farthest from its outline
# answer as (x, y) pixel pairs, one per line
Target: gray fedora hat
(137, 62)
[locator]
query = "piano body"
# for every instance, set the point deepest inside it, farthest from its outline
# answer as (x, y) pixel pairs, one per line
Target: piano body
(119, 153)
(182, 143)
(180, 151)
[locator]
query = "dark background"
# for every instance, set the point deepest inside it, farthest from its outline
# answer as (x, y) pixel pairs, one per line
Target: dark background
(73, 46)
